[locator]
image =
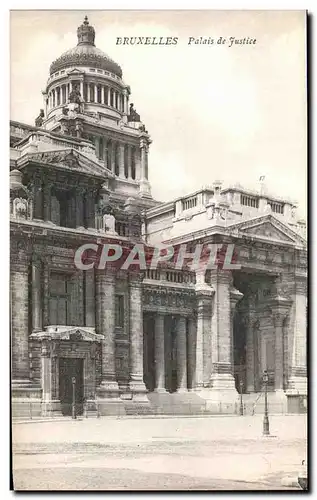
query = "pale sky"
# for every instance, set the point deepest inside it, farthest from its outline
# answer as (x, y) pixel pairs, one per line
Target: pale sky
(213, 112)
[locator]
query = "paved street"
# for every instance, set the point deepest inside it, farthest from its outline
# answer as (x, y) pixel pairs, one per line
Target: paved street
(157, 453)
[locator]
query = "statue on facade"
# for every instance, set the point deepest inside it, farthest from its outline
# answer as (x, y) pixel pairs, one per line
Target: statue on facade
(133, 115)
(75, 100)
(39, 120)
(75, 96)
(109, 223)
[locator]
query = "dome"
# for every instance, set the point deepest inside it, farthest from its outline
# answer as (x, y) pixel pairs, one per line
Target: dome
(86, 54)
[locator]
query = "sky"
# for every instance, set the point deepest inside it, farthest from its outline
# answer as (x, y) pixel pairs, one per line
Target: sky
(213, 111)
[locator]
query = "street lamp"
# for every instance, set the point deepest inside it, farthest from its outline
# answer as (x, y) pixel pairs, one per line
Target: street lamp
(266, 424)
(74, 398)
(241, 400)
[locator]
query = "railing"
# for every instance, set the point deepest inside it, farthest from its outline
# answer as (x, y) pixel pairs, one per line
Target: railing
(32, 410)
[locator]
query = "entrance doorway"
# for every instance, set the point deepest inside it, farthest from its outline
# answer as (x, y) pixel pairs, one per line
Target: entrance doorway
(69, 368)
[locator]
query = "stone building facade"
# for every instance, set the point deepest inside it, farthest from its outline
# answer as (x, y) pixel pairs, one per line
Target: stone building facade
(129, 340)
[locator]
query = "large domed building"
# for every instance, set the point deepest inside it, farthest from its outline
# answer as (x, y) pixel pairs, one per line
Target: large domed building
(110, 339)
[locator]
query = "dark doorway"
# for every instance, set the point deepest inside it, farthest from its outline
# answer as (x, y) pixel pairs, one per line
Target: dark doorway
(69, 368)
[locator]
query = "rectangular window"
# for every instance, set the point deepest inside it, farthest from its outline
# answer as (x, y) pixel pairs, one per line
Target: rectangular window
(59, 301)
(119, 311)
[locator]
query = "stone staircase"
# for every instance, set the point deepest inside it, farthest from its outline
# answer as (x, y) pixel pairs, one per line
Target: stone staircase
(187, 403)
(254, 403)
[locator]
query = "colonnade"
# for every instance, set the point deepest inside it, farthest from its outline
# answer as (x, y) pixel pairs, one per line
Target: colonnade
(90, 92)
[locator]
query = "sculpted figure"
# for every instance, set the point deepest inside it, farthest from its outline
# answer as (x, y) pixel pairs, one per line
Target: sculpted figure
(39, 120)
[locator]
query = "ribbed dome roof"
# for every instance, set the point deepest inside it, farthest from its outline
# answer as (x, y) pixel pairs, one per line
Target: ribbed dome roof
(85, 54)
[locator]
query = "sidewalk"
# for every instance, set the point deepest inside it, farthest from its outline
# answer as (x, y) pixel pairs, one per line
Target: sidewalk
(201, 451)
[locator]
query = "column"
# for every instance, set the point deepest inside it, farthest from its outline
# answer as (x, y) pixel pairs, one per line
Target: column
(297, 339)
(113, 156)
(250, 354)
(95, 93)
(46, 274)
(81, 88)
(191, 355)
(144, 184)
(103, 94)
(79, 208)
(136, 384)
(105, 324)
(47, 201)
(36, 295)
(90, 209)
(222, 377)
(143, 153)
(67, 92)
(129, 162)
(19, 291)
(278, 320)
(127, 105)
(46, 378)
(203, 334)
(124, 100)
(108, 96)
(37, 194)
(159, 353)
(89, 291)
(181, 355)
(121, 161)
(235, 297)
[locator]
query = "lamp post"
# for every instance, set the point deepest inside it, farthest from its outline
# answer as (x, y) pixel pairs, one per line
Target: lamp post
(241, 400)
(266, 424)
(74, 398)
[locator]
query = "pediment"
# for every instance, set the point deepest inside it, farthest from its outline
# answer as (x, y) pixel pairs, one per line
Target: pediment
(73, 334)
(75, 71)
(269, 228)
(69, 159)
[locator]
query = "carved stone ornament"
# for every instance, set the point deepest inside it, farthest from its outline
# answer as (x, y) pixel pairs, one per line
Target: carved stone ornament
(20, 208)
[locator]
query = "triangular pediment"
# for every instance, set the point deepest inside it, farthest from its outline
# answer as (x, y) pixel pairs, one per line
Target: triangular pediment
(69, 159)
(75, 71)
(268, 228)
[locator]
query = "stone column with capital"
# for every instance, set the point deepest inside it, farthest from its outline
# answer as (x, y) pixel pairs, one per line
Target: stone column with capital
(250, 351)
(109, 402)
(193, 375)
(19, 290)
(47, 201)
(223, 395)
(90, 215)
(280, 314)
(159, 353)
(145, 190)
(129, 160)
(36, 294)
(136, 383)
(203, 364)
(297, 339)
(121, 161)
(181, 354)
(25, 393)
(50, 403)
(79, 207)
